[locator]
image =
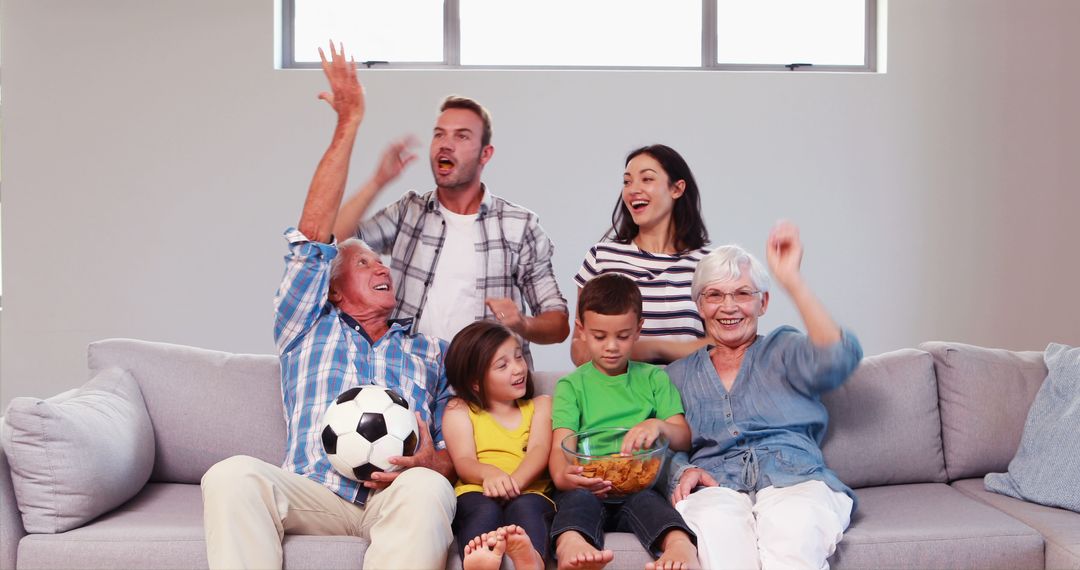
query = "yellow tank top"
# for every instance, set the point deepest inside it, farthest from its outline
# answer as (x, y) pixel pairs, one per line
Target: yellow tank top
(501, 447)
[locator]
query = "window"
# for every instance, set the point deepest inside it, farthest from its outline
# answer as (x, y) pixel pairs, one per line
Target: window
(826, 35)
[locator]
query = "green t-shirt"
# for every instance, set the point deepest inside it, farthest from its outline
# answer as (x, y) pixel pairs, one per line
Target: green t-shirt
(588, 399)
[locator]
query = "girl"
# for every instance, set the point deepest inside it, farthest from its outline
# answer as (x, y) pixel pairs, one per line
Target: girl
(499, 438)
(656, 238)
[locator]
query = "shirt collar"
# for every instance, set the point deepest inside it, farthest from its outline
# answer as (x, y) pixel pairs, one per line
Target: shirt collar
(395, 324)
(486, 201)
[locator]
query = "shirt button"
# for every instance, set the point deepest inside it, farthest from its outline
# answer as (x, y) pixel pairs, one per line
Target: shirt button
(727, 414)
(736, 432)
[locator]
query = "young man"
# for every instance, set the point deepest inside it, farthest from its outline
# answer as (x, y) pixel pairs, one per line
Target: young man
(610, 391)
(459, 253)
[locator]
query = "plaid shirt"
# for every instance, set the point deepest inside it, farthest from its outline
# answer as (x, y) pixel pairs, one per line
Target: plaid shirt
(516, 254)
(325, 352)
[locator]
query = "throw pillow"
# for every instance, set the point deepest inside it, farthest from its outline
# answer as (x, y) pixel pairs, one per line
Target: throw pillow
(78, 455)
(1046, 468)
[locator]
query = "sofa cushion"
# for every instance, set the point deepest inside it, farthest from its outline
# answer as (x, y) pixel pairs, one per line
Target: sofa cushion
(1060, 528)
(984, 395)
(1046, 468)
(884, 427)
(80, 454)
(933, 526)
(206, 405)
(162, 528)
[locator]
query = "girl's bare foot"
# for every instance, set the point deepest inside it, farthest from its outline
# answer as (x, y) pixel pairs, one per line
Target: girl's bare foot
(484, 552)
(520, 549)
(679, 553)
(575, 553)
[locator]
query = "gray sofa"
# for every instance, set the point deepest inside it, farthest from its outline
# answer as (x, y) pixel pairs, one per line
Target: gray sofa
(913, 432)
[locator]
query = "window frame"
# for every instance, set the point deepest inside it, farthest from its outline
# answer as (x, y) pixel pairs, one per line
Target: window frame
(709, 49)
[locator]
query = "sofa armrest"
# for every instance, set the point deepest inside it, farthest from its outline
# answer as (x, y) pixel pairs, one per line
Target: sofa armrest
(11, 525)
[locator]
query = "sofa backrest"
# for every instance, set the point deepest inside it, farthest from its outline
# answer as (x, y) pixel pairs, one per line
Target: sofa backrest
(205, 405)
(884, 424)
(984, 394)
(884, 427)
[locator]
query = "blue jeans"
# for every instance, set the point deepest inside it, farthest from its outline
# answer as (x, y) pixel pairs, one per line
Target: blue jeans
(646, 514)
(477, 514)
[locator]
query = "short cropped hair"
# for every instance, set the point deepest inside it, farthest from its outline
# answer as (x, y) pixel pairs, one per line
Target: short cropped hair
(459, 102)
(609, 294)
(727, 263)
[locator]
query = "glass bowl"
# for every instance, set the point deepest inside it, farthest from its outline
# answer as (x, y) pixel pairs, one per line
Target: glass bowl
(598, 452)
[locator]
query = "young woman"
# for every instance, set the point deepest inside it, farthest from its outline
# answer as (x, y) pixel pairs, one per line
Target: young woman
(656, 238)
(499, 437)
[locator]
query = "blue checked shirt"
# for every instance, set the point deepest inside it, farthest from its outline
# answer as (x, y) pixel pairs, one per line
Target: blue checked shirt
(515, 263)
(325, 352)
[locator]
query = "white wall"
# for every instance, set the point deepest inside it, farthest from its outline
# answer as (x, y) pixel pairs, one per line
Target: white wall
(152, 156)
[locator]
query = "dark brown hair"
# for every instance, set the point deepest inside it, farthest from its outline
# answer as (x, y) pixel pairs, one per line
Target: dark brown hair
(609, 294)
(690, 232)
(459, 102)
(469, 358)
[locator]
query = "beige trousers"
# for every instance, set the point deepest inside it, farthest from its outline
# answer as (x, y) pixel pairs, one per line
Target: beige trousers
(249, 505)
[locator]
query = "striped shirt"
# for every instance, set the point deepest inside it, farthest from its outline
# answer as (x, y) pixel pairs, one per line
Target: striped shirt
(324, 352)
(514, 254)
(664, 280)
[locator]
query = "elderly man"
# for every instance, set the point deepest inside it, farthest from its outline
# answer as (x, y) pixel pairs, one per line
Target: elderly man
(333, 333)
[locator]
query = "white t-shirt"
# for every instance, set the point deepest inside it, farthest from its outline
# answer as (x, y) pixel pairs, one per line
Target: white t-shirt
(454, 298)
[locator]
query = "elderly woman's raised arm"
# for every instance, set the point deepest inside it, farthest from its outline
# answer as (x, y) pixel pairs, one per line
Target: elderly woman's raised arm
(784, 252)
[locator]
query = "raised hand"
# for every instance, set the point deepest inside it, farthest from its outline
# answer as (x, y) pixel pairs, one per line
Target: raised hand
(346, 95)
(395, 157)
(784, 252)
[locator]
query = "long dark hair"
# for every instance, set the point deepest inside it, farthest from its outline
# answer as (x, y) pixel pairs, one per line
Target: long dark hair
(690, 232)
(469, 358)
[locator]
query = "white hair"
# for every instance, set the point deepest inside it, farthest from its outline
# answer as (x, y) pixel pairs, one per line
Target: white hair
(727, 263)
(336, 263)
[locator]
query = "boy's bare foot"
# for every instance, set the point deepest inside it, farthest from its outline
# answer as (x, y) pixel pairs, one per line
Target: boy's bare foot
(520, 549)
(575, 553)
(484, 552)
(679, 553)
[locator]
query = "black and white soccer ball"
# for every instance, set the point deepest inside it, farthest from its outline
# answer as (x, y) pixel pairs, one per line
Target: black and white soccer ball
(364, 427)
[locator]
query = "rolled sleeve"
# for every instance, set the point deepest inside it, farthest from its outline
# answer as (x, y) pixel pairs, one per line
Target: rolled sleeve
(302, 294)
(813, 369)
(538, 283)
(380, 230)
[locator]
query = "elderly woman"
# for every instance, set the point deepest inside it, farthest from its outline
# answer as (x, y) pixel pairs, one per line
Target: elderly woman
(754, 486)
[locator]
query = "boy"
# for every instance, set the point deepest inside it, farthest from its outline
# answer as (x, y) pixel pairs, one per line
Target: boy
(609, 391)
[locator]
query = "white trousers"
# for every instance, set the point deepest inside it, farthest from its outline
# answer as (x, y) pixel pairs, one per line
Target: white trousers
(794, 527)
(249, 505)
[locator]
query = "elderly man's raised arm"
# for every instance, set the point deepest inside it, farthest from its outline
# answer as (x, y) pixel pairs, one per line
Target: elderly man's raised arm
(346, 97)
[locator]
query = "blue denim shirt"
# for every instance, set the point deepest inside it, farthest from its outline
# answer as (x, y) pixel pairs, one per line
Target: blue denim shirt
(767, 430)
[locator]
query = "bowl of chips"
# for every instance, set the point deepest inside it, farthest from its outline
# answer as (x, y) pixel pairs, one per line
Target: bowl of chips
(598, 453)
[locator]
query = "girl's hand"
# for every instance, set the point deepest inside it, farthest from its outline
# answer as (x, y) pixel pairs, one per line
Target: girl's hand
(499, 484)
(594, 485)
(641, 436)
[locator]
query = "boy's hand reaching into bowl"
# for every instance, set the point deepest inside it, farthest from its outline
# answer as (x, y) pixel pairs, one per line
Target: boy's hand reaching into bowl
(641, 436)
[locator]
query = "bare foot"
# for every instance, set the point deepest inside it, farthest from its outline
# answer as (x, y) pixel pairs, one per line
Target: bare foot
(679, 553)
(484, 552)
(575, 553)
(520, 549)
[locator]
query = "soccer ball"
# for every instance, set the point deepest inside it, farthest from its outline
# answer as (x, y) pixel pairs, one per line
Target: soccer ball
(364, 427)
